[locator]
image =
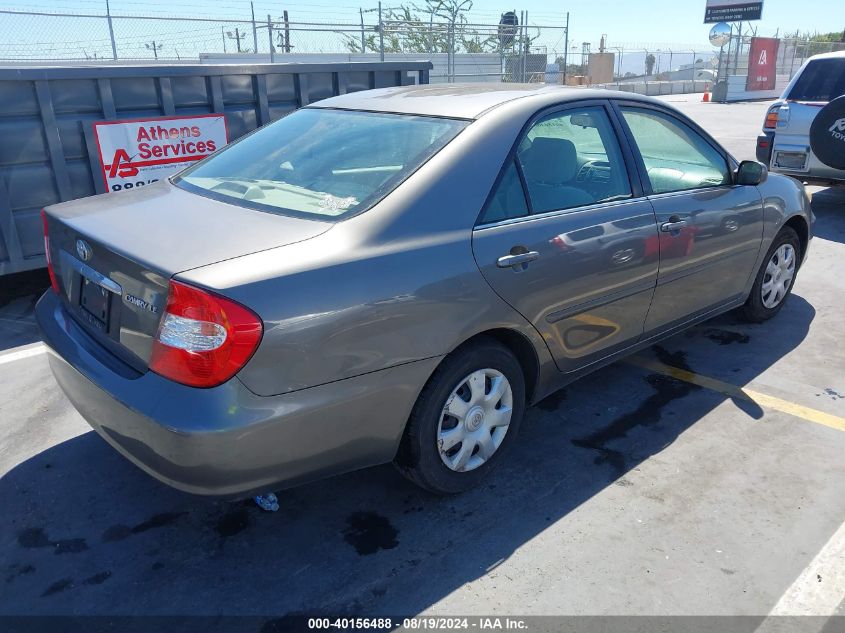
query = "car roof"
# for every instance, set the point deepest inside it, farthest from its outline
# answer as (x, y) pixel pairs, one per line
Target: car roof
(464, 101)
(831, 55)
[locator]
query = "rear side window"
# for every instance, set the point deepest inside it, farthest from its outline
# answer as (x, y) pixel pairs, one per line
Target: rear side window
(508, 199)
(676, 157)
(821, 80)
(320, 162)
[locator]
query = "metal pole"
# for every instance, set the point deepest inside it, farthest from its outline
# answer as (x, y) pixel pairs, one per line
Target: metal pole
(380, 34)
(363, 39)
(738, 48)
(254, 30)
(223, 34)
(270, 39)
(111, 32)
(566, 48)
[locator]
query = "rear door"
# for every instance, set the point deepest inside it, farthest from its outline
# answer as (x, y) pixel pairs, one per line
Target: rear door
(566, 237)
(710, 230)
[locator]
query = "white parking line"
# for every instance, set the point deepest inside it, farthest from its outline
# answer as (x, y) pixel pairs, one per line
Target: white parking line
(11, 357)
(820, 588)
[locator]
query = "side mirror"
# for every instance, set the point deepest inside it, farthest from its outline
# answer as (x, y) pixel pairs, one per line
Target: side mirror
(750, 172)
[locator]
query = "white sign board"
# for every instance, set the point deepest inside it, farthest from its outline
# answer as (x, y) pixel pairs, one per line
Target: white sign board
(732, 10)
(138, 152)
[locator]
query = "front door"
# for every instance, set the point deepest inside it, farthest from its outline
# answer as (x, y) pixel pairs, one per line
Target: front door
(710, 230)
(567, 241)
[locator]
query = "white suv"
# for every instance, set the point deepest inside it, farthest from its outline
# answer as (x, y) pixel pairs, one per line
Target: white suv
(785, 143)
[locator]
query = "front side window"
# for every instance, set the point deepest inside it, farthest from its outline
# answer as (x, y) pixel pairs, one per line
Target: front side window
(572, 158)
(676, 157)
(321, 163)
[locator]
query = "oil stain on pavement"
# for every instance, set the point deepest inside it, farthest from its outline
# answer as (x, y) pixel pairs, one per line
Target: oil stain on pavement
(666, 389)
(369, 532)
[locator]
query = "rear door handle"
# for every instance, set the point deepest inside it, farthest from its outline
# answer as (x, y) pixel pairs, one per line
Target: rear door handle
(515, 260)
(671, 227)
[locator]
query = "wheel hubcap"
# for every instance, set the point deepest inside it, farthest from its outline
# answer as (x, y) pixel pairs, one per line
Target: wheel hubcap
(474, 420)
(778, 276)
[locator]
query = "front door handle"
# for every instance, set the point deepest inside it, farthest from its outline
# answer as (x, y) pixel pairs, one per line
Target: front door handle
(673, 225)
(515, 260)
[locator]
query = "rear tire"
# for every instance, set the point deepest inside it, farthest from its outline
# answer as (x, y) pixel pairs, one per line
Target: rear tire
(775, 278)
(465, 419)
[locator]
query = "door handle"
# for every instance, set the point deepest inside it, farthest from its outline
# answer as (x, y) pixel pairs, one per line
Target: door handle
(673, 225)
(515, 260)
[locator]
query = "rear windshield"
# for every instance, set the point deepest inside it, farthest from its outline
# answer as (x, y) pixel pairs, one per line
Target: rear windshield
(321, 162)
(821, 80)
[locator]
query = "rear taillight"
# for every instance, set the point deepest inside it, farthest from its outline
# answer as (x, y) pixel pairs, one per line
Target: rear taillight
(203, 339)
(771, 118)
(54, 283)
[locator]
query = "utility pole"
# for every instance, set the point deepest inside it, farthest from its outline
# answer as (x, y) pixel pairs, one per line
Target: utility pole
(254, 29)
(270, 39)
(155, 48)
(111, 32)
(380, 33)
(223, 35)
(237, 36)
(565, 48)
(363, 39)
(287, 30)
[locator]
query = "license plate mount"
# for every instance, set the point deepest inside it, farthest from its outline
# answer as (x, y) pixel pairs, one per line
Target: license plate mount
(95, 300)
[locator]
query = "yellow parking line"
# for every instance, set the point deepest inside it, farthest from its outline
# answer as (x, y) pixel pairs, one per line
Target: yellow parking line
(732, 391)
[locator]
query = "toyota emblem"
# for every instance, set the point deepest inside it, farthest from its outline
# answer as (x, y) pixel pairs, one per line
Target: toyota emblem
(83, 250)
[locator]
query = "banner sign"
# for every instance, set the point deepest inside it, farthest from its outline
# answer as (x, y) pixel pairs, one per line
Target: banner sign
(732, 10)
(138, 152)
(762, 63)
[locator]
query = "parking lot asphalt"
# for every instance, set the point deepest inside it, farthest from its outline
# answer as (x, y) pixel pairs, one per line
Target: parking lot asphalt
(703, 477)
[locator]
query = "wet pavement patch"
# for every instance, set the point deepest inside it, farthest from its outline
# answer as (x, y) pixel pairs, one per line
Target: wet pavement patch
(552, 402)
(16, 570)
(119, 532)
(33, 538)
(233, 522)
(725, 337)
(58, 587)
(666, 389)
(97, 579)
(369, 532)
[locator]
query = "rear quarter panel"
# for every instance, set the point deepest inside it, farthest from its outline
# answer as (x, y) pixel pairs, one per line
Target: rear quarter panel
(395, 284)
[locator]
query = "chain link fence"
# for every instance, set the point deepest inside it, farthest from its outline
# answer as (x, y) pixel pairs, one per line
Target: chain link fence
(733, 61)
(459, 50)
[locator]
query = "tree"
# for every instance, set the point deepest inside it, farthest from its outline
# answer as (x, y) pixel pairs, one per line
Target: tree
(435, 27)
(650, 60)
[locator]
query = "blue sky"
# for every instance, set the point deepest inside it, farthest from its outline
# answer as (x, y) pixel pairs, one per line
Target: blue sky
(650, 23)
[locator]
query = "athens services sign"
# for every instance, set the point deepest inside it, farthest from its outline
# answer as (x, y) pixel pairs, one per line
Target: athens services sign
(137, 152)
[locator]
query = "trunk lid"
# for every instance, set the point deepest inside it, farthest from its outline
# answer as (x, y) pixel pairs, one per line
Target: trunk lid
(114, 255)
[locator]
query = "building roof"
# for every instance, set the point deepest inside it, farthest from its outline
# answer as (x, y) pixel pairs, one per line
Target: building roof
(462, 101)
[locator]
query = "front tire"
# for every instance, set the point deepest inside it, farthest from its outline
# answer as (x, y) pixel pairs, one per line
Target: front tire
(774, 279)
(465, 419)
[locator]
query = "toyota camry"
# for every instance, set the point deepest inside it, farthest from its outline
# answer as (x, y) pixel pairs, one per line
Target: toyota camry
(395, 275)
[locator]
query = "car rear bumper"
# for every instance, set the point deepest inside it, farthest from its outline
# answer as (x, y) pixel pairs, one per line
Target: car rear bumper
(227, 441)
(791, 155)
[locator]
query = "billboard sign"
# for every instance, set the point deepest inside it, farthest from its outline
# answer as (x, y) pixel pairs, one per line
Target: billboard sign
(732, 11)
(762, 63)
(137, 152)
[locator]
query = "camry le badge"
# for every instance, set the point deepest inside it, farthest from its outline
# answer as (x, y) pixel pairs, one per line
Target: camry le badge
(83, 250)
